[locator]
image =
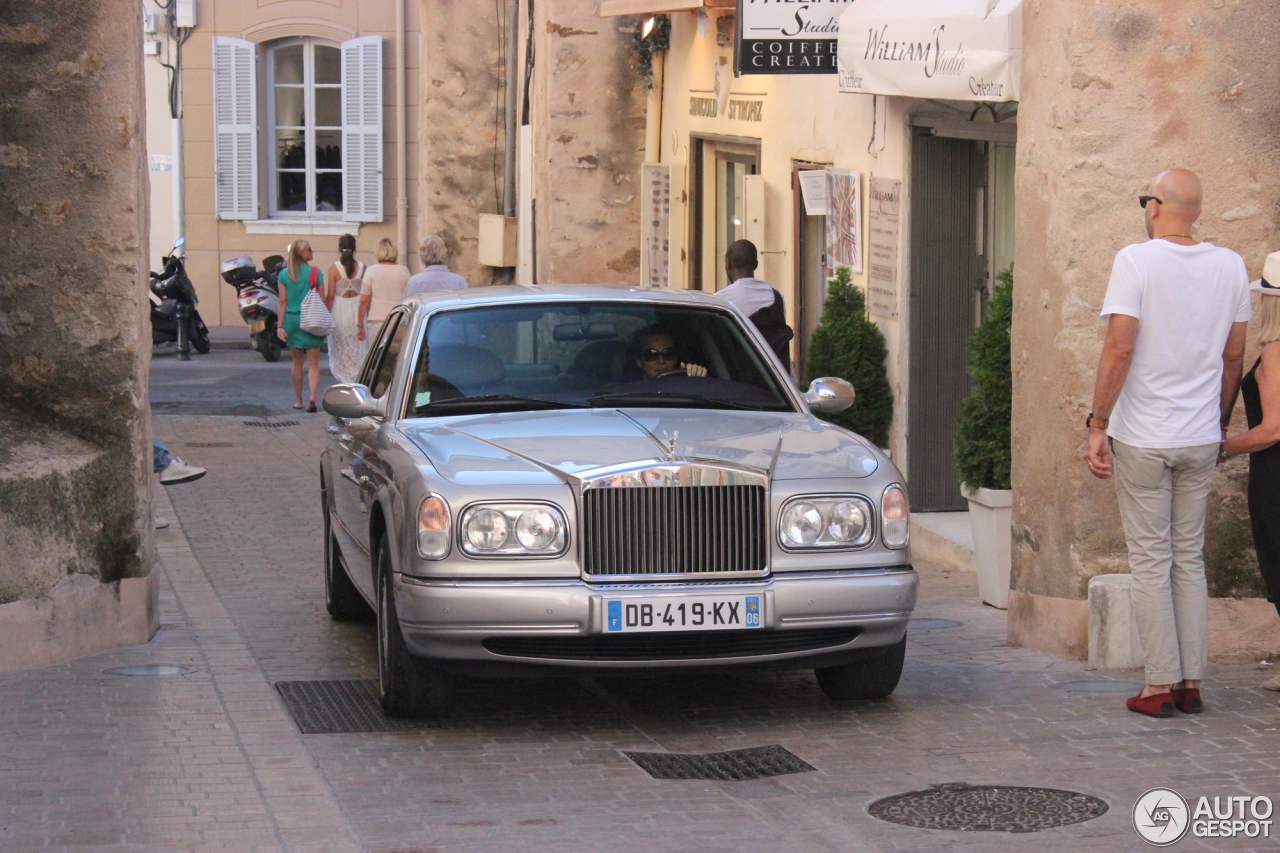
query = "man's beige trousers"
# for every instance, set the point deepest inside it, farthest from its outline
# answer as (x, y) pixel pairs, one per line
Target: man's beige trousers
(1162, 495)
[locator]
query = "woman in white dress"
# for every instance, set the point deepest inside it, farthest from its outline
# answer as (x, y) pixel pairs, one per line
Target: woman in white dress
(342, 293)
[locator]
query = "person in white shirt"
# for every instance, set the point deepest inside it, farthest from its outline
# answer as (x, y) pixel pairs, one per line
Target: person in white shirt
(759, 301)
(1170, 370)
(435, 255)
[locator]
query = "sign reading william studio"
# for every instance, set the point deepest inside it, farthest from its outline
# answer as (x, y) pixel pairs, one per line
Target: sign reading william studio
(788, 36)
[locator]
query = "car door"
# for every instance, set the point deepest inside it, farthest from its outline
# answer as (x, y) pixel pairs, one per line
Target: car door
(357, 481)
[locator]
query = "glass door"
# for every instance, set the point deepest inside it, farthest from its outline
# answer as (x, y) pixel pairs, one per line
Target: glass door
(718, 209)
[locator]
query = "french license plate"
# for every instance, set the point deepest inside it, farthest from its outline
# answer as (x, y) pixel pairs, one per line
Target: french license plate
(257, 326)
(685, 613)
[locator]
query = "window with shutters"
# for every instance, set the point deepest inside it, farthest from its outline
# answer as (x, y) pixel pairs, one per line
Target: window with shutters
(321, 132)
(304, 114)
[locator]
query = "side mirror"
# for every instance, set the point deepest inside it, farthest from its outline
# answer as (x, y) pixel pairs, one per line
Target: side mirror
(179, 243)
(349, 401)
(825, 394)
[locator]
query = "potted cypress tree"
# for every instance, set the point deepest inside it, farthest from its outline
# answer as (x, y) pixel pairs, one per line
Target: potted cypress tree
(983, 445)
(848, 345)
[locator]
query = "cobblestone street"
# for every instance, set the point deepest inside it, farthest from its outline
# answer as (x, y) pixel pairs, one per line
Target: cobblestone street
(211, 760)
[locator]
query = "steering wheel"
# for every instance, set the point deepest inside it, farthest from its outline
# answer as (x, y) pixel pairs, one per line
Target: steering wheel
(679, 371)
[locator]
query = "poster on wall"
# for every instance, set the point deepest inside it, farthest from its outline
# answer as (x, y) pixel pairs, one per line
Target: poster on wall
(882, 247)
(789, 37)
(655, 224)
(844, 221)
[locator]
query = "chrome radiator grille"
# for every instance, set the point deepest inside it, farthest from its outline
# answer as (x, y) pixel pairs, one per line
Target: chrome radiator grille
(674, 531)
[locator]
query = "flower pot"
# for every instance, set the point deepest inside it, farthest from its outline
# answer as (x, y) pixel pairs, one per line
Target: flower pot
(991, 514)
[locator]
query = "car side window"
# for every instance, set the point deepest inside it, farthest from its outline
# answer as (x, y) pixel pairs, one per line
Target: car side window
(394, 338)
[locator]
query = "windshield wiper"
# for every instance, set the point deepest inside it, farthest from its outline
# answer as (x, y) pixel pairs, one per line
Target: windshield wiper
(491, 401)
(662, 397)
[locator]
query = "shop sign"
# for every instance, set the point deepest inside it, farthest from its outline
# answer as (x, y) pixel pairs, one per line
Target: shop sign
(655, 225)
(844, 222)
(813, 187)
(794, 37)
(882, 247)
(959, 50)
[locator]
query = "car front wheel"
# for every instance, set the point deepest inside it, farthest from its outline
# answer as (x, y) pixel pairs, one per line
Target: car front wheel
(407, 686)
(872, 677)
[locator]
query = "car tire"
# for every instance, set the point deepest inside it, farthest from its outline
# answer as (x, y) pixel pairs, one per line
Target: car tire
(873, 677)
(341, 598)
(407, 686)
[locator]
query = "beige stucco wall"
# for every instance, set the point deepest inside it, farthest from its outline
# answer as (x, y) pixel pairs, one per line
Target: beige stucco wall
(210, 240)
(1113, 93)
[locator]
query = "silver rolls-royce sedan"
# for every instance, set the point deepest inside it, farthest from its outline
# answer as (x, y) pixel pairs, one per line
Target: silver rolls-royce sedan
(600, 478)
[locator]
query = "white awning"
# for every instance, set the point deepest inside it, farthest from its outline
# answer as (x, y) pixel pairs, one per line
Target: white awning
(961, 50)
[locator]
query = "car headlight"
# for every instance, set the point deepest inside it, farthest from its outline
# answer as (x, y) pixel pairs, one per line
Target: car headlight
(433, 528)
(895, 517)
(514, 530)
(826, 521)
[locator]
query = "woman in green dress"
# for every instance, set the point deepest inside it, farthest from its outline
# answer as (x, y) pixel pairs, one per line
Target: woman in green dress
(295, 281)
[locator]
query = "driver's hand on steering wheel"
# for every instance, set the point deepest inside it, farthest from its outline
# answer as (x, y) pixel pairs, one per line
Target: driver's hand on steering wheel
(694, 370)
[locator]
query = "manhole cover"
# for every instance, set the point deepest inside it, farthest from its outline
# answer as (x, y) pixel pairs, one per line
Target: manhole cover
(932, 624)
(151, 670)
(1099, 686)
(270, 424)
(335, 707)
(737, 765)
(993, 808)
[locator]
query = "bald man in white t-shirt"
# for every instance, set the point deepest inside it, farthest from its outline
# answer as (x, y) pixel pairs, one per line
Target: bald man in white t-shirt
(1177, 310)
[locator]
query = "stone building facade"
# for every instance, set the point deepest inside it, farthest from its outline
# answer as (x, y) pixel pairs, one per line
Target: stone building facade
(1113, 93)
(75, 461)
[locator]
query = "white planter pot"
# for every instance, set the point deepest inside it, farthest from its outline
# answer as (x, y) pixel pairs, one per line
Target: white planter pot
(991, 514)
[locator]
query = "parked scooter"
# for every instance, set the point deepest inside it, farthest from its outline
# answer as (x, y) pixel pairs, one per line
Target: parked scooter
(258, 295)
(174, 318)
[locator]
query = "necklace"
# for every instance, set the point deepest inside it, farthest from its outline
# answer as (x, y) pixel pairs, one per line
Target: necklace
(1167, 236)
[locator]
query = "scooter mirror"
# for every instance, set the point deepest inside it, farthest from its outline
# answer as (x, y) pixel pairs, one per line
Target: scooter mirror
(178, 244)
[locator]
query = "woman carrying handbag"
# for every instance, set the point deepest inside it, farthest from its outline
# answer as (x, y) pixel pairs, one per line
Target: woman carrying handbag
(298, 278)
(1261, 392)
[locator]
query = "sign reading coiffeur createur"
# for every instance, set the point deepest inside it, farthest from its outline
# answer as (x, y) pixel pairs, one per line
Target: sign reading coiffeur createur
(788, 36)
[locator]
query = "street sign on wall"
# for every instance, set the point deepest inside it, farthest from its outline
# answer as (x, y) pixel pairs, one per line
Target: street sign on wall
(788, 37)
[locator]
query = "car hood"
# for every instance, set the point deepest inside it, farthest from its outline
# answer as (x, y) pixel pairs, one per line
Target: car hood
(559, 446)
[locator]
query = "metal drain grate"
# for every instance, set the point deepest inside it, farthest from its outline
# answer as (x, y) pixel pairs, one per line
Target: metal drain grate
(994, 808)
(1100, 686)
(737, 765)
(208, 444)
(270, 424)
(337, 707)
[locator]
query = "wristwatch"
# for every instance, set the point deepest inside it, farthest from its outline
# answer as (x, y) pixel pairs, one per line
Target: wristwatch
(1096, 423)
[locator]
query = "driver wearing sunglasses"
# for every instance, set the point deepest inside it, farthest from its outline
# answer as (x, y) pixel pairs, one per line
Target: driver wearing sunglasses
(659, 357)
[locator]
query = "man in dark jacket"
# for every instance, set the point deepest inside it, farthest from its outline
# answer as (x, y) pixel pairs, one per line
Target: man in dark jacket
(757, 299)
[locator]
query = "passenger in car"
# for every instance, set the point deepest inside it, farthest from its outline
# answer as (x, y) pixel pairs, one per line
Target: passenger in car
(659, 357)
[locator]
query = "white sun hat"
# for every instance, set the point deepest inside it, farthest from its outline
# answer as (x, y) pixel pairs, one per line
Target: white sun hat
(1270, 281)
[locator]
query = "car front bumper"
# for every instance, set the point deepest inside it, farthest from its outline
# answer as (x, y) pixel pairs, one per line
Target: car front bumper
(843, 614)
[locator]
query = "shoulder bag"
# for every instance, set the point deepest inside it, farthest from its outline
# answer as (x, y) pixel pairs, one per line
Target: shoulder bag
(313, 317)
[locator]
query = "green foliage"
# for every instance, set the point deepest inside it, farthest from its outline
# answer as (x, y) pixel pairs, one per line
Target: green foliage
(659, 38)
(984, 443)
(848, 345)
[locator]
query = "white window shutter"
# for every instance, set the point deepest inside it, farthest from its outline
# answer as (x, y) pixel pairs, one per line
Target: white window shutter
(235, 118)
(362, 129)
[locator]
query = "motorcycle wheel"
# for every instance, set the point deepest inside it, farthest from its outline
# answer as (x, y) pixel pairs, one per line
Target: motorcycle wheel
(269, 345)
(199, 335)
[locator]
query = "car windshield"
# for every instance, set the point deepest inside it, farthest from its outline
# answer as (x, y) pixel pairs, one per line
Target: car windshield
(590, 354)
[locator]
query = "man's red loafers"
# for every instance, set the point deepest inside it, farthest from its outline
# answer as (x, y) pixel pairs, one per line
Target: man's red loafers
(1187, 700)
(1155, 705)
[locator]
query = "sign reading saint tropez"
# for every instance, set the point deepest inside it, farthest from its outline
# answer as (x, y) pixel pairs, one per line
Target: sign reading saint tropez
(962, 50)
(788, 36)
